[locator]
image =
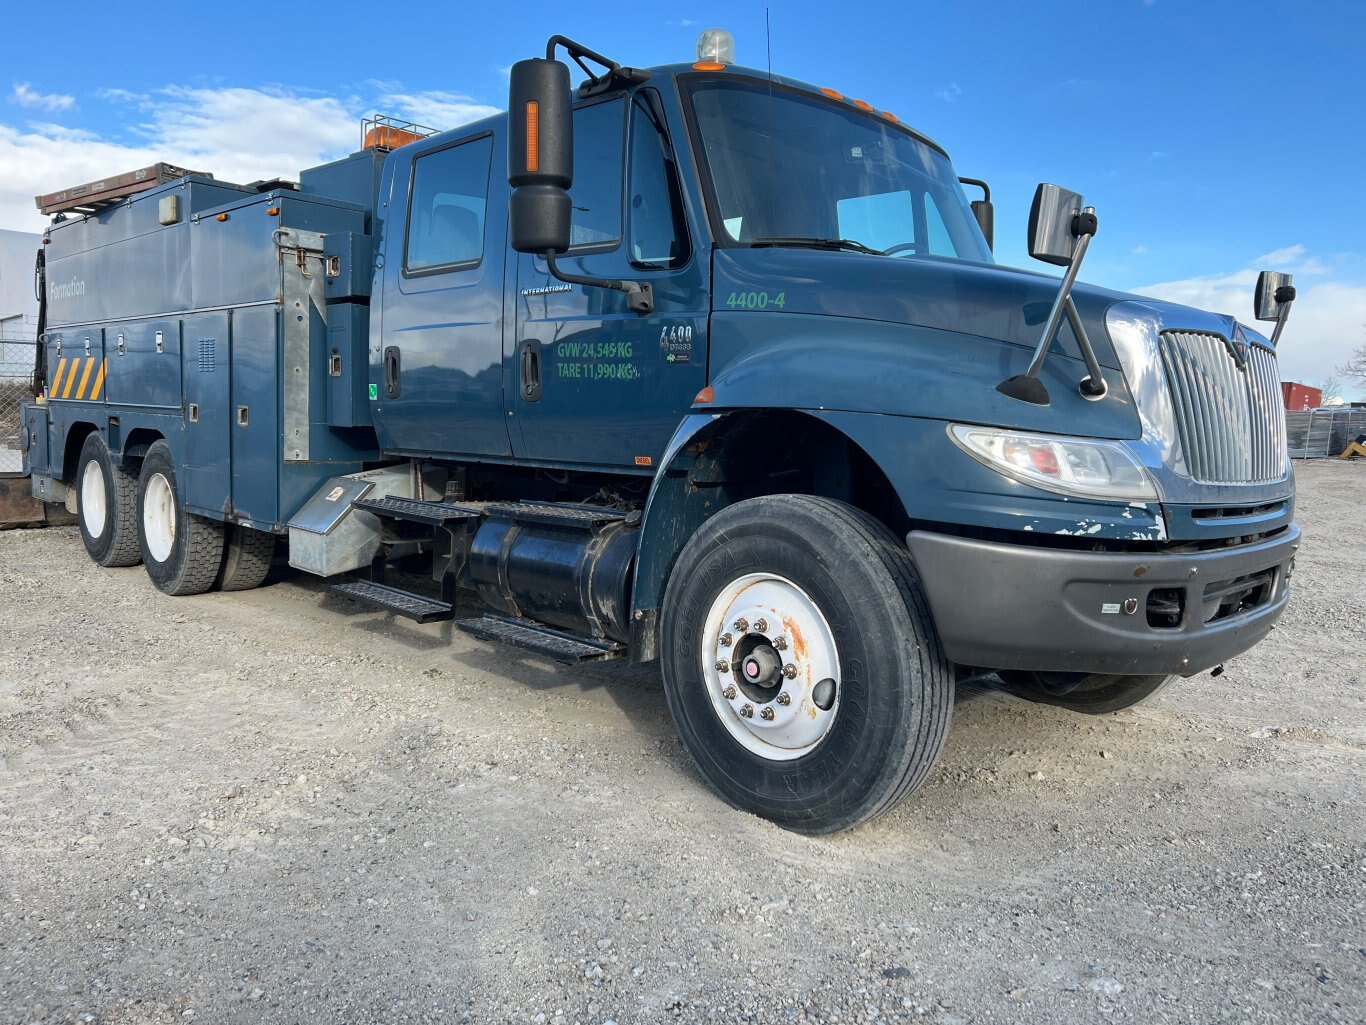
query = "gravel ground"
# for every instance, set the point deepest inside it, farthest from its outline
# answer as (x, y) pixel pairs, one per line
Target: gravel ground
(274, 807)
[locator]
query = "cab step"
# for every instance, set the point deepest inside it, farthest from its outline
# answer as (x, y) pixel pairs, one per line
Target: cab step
(435, 514)
(591, 518)
(417, 607)
(570, 649)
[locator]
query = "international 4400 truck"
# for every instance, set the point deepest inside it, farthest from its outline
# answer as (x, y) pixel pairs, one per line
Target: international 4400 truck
(720, 372)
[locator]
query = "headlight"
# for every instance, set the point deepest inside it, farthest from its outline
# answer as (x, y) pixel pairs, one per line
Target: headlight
(1070, 466)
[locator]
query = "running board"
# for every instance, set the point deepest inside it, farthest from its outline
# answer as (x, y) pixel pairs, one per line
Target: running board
(416, 607)
(571, 649)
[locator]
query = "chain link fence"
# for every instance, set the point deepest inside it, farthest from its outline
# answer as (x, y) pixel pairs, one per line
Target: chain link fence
(1323, 433)
(16, 372)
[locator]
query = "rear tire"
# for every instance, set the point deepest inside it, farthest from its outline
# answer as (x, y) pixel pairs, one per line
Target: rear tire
(247, 555)
(181, 552)
(106, 505)
(1093, 694)
(835, 697)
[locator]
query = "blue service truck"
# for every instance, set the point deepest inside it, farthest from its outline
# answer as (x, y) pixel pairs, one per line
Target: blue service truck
(720, 372)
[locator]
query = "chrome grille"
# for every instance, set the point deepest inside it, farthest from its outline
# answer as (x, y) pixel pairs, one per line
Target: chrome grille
(1230, 419)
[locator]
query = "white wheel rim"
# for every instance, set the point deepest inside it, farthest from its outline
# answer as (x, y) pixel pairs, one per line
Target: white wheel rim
(779, 718)
(158, 517)
(94, 505)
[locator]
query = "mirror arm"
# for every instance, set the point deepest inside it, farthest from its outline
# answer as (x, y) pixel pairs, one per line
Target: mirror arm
(1093, 385)
(1285, 295)
(640, 297)
(1027, 387)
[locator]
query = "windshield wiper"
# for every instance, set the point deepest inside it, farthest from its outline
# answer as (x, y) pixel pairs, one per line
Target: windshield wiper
(818, 243)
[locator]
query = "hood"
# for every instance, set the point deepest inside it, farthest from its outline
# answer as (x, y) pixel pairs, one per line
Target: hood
(982, 299)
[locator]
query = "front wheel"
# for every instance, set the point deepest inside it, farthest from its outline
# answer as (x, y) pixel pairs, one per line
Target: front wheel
(801, 666)
(1089, 693)
(181, 552)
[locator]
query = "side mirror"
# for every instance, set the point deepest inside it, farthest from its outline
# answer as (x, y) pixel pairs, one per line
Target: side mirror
(1274, 291)
(986, 220)
(983, 210)
(1053, 223)
(540, 156)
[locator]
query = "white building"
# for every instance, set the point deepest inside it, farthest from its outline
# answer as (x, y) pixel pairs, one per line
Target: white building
(18, 307)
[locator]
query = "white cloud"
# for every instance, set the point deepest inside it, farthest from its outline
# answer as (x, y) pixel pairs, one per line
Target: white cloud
(237, 134)
(949, 93)
(1325, 324)
(26, 96)
(437, 109)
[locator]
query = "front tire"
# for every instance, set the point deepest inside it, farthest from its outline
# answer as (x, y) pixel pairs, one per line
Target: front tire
(181, 552)
(1090, 694)
(801, 665)
(106, 505)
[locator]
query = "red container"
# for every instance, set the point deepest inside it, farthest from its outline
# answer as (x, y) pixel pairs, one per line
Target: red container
(1301, 396)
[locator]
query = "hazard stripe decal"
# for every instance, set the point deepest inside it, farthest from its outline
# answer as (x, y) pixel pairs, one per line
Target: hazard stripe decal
(85, 377)
(72, 376)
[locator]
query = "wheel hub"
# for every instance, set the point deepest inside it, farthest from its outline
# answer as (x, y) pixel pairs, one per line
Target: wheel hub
(158, 517)
(92, 505)
(771, 666)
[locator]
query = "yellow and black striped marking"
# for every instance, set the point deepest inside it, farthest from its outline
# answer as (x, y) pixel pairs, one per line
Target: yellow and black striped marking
(78, 379)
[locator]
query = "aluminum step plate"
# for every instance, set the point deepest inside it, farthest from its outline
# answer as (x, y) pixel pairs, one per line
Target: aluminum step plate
(416, 607)
(415, 511)
(568, 648)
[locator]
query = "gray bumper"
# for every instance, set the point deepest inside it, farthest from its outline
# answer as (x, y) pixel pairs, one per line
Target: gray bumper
(1002, 606)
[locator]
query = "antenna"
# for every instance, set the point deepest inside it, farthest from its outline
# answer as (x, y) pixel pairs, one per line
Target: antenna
(768, 45)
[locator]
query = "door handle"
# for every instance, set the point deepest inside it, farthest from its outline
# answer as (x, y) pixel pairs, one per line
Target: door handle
(391, 372)
(531, 370)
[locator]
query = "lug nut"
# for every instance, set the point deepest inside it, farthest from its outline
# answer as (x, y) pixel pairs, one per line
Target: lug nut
(761, 625)
(726, 640)
(766, 713)
(722, 666)
(747, 711)
(784, 698)
(780, 643)
(730, 693)
(790, 671)
(741, 625)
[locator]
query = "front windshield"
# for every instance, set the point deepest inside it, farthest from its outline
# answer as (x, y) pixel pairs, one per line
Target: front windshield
(789, 168)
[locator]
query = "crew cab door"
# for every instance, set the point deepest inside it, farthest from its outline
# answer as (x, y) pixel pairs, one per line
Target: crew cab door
(594, 384)
(437, 374)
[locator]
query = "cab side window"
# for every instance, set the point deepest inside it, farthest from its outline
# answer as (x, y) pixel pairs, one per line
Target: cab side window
(599, 132)
(446, 208)
(657, 231)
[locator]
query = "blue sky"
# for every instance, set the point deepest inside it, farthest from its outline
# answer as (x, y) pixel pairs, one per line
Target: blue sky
(1215, 138)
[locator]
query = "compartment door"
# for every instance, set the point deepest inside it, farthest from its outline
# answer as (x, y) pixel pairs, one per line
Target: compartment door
(204, 469)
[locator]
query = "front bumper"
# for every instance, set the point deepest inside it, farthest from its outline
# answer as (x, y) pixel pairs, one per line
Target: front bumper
(1002, 606)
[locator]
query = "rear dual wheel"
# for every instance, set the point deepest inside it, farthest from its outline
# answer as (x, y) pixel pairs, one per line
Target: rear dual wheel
(181, 552)
(106, 505)
(801, 666)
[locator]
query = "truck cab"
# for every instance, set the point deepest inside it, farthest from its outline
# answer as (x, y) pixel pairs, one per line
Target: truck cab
(712, 367)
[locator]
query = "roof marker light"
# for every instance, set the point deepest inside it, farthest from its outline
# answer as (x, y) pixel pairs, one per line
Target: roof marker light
(709, 66)
(891, 117)
(863, 105)
(833, 94)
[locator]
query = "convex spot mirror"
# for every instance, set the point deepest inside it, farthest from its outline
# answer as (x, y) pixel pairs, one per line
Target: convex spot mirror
(540, 156)
(1274, 291)
(1051, 219)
